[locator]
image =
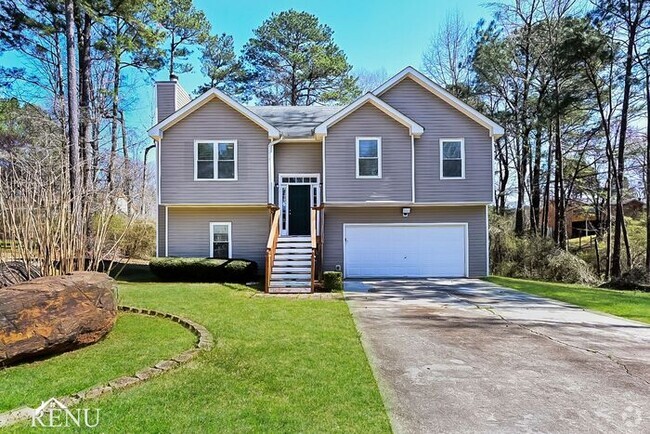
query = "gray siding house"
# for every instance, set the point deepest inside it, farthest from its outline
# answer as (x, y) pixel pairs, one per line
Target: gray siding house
(395, 184)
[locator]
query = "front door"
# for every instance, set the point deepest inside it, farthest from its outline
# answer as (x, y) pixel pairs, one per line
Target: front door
(299, 206)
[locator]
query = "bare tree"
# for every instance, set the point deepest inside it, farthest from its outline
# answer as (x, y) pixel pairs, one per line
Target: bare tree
(369, 80)
(447, 58)
(631, 17)
(643, 60)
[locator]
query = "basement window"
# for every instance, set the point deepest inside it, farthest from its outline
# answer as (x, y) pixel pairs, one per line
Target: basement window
(220, 240)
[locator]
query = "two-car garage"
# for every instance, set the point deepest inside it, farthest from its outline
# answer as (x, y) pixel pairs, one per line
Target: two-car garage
(405, 250)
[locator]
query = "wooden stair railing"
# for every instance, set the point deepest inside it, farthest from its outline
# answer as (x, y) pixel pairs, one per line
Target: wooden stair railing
(271, 247)
(314, 246)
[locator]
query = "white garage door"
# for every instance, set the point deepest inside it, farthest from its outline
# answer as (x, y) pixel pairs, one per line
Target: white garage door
(405, 250)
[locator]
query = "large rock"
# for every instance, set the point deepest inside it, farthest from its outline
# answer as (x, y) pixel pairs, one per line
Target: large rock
(55, 314)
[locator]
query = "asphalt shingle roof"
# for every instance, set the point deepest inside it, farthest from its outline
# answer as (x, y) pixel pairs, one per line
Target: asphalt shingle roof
(295, 121)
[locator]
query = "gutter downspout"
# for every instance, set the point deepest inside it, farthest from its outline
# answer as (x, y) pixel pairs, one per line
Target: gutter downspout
(412, 168)
(144, 180)
(271, 169)
(323, 196)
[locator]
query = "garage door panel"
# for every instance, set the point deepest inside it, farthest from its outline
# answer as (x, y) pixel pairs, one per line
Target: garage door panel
(405, 250)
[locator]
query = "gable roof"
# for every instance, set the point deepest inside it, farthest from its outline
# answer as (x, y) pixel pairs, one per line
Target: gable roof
(496, 130)
(414, 128)
(157, 130)
(295, 121)
(310, 122)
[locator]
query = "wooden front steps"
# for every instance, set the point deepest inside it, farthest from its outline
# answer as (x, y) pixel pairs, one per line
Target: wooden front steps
(291, 269)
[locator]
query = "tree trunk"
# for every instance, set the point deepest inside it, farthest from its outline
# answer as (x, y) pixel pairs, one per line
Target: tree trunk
(84, 106)
(535, 192)
(521, 185)
(172, 52)
(504, 174)
(59, 98)
(72, 243)
(73, 100)
(597, 251)
(547, 190)
(647, 166)
(127, 164)
(114, 121)
(626, 241)
(560, 214)
(294, 93)
(620, 169)
(608, 222)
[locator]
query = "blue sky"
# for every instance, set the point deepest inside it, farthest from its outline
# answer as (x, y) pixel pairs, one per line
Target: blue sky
(375, 34)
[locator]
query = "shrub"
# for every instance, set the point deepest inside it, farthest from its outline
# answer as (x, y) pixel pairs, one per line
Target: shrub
(204, 270)
(134, 240)
(333, 281)
(634, 278)
(563, 266)
(534, 257)
(139, 240)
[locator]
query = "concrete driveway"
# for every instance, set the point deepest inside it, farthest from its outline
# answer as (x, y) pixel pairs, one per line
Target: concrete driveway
(464, 355)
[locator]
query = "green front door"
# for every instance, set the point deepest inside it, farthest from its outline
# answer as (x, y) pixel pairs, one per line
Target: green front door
(299, 209)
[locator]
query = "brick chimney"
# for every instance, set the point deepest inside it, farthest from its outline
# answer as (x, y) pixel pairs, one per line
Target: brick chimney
(170, 96)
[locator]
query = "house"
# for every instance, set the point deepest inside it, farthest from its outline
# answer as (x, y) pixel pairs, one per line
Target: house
(395, 184)
(579, 216)
(584, 218)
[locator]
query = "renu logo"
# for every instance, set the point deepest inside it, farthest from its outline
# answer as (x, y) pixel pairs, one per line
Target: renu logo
(54, 414)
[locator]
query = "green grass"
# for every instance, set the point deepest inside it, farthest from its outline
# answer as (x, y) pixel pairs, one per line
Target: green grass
(586, 242)
(627, 304)
(279, 365)
(135, 342)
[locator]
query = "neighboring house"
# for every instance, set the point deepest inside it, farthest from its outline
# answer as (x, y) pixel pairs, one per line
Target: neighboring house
(395, 184)
(582, 219)
(579, 217)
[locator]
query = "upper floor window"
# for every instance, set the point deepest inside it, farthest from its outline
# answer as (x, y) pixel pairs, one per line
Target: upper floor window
(452, 159)
(216, 160)
(368, 157)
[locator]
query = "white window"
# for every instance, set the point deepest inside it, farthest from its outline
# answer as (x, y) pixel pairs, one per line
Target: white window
(452, 159)
(221, 240)
(368, 157)
(215, 160)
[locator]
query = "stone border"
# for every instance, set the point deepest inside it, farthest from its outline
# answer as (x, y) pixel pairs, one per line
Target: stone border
(205, 342)
(301, 296)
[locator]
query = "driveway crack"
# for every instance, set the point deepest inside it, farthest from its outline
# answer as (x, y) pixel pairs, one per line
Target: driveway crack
(551, 338)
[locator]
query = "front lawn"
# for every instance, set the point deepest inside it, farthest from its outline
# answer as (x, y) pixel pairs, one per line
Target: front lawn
(627, 304)
(279, 365)
(136, 341)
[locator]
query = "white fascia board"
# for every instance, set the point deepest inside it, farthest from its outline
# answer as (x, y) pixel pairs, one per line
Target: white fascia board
(156, 131)
(496, 130)
(402, 203)
(415, 129)
(215, 205)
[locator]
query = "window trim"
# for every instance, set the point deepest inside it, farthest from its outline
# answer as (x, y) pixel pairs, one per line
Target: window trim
(462, 158)
(379, 158)
(215, 162)
(211, 251)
